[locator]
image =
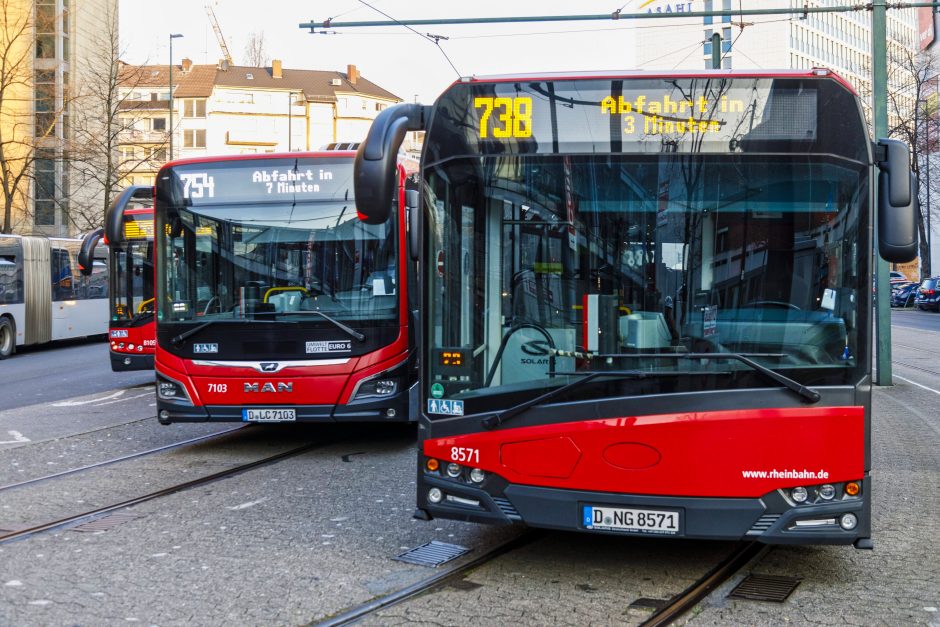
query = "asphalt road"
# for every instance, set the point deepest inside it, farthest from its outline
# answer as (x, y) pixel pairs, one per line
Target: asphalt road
(915, 319)
(62, 370)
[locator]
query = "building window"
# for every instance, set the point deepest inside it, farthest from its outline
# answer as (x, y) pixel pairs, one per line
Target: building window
(380, 106)
(194, 138)
(158, 124)
(127, 153)
(45, 29)
(194, 108)
(708, 7)
(158, 154)
(44, 166)
(45, 103)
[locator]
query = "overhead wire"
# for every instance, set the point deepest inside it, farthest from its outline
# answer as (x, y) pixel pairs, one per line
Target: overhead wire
(435, 39)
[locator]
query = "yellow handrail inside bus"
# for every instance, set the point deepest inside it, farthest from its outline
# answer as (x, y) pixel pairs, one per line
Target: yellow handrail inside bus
(142, 307)
(290, 288)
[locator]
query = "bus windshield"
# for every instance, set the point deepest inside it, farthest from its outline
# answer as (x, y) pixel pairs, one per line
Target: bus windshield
(249, 261)
(547, 267)
(132, 264)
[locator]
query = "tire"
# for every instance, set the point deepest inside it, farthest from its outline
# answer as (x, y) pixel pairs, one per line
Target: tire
(7, 338)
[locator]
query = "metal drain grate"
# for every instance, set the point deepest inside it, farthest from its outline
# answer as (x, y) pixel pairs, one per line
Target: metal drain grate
(433, 553)
(106, 522)
(765, 588)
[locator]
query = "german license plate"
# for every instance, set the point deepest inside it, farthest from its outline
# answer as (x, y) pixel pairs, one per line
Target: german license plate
(269, 415)
(629, 520)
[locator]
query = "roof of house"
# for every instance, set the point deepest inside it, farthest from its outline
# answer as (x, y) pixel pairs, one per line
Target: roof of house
(199, 81)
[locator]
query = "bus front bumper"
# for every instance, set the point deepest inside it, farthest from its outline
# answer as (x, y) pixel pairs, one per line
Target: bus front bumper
(121, 362)
(393, 409)
(771, 519)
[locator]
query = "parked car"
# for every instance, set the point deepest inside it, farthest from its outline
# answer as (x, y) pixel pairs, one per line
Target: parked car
(903, 294)
(928, 295)
(897, 278)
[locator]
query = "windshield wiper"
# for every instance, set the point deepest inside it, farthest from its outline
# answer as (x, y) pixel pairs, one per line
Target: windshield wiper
(339, 325)
(794, 386)
(494, 420)
(176, 340)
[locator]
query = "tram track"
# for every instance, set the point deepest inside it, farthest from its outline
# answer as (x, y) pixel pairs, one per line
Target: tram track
(678, 605)
(364, 610)
(742, 554)
(115, 460)
(21, 534)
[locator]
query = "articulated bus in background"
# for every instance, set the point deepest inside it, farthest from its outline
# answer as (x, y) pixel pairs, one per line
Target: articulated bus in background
(128, 231)
(44, 296)
(274, 301)
(646, 300)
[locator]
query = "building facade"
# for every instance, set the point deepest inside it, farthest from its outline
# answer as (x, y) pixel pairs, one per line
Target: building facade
(46, 43)
(226, 109)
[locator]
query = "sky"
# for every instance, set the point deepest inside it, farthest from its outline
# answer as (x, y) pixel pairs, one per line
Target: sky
(404, 62)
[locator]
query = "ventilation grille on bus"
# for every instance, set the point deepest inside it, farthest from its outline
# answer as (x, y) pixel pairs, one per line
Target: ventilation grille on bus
(763, 523)
(507, 508)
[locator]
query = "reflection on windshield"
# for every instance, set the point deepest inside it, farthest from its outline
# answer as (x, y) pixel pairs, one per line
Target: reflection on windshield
(581, 263)
(278, 260)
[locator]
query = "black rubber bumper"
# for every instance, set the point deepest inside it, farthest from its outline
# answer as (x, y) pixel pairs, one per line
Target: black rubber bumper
(770, 519)
(121, 362)
(361, 411)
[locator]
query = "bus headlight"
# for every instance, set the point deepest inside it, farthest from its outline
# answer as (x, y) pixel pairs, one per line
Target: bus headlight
(799, 494)
(170, 390)
(826, 491)
(376, 387)
(477, 475)
(848, 521)
(453, 470)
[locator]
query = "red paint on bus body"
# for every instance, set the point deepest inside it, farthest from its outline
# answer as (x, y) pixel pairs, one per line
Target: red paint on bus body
(707, 454)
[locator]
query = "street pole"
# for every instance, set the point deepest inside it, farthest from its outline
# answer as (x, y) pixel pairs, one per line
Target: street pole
(290, 103)
(879, 97)
(172, 37)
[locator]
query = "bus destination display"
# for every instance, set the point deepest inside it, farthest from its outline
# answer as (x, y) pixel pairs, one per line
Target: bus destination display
(634, 115)
(261, 181)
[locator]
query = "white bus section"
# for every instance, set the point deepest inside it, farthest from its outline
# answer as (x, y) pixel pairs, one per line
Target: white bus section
(44, 296)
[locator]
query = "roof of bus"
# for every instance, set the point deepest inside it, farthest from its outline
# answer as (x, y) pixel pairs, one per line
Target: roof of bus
(559, 76)
(323, 154)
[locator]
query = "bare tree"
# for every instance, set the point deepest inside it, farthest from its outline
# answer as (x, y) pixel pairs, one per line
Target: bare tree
(914, 76)
(107, 120)
(255, 53)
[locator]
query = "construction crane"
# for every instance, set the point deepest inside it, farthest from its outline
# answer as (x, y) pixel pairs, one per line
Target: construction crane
(218, 34)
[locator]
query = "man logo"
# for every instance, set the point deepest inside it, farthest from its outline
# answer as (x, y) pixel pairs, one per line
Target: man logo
(269, 387)
(268, 367)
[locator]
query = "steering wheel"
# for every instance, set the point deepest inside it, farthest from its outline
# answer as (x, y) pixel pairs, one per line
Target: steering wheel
(218, 305)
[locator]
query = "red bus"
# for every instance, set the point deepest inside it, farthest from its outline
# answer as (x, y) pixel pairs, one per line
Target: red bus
(128, 231)
(275, 303)
(646, 300)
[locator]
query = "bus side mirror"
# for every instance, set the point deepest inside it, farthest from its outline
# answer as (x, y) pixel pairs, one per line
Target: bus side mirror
(86, 254)
(897, 204)
(375, 177)
(412, 197)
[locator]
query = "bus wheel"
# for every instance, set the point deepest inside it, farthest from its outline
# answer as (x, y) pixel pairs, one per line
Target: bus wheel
(7, 338)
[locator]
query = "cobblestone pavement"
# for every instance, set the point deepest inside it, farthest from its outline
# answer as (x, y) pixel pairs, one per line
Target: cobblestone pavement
(304, 539)
(284, 544)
